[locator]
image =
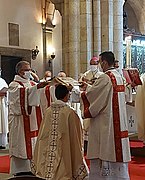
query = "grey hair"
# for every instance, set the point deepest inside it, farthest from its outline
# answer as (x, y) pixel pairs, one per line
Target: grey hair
(20, 64)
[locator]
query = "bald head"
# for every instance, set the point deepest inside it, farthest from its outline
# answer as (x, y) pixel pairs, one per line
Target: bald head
(47, 74)
(61, 74)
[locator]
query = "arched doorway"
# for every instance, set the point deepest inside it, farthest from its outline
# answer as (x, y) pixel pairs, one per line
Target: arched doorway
(9, 57)
(8, 64)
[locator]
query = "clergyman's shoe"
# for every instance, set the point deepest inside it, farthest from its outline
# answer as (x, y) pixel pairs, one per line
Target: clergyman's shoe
(24, 174)
(2, 147)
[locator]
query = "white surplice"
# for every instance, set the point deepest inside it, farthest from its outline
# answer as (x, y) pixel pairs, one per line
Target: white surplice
(140, 109)
(104, 104)
(105, 170)
(89, 75)
(25, 116)
(3, 114)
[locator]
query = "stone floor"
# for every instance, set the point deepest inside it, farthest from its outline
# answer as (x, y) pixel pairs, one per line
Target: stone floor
(4, 176)
(133, 136)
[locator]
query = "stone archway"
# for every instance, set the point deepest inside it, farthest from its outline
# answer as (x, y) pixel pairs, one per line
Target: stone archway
(138, 9)
(132, 21)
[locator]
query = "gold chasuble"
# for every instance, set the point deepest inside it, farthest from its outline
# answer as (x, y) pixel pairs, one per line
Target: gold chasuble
(58, 151)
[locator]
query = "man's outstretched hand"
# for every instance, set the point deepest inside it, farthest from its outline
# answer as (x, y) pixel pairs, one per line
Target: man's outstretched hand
(42, 84)
(69, 87)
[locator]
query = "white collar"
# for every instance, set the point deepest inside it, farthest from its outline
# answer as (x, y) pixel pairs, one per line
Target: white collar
(19, 78)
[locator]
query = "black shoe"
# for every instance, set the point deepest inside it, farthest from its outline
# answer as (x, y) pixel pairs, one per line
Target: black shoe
(2, 147)
(24, 174)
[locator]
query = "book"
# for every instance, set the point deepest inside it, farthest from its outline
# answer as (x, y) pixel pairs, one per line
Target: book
(132, 76)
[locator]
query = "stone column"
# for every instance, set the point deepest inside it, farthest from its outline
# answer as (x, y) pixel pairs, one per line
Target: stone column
(74, 38)
(96, 27)
(107, 25)
(71, 38)
(85, 33)
(65, 39)
(118, 31)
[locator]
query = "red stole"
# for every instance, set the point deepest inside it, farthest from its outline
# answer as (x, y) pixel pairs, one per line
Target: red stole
(26, 120)
(47, 93)
(86, 104)
(118, 134)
